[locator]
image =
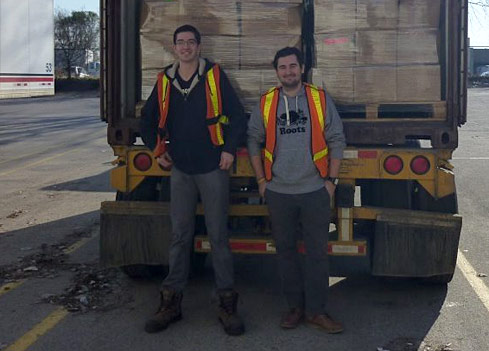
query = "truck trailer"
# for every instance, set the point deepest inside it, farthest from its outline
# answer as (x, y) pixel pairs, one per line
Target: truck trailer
(396, 70)
(26, 48)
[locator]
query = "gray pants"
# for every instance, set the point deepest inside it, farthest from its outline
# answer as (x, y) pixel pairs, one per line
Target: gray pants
(305, 288)
(214, 192)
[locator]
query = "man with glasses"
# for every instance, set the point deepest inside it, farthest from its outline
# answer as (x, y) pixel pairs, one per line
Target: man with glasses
(182, 122)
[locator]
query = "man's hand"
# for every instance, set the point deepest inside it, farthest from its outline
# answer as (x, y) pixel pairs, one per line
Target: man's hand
(330, 187)
(165, 161)
(226, 161)
(261, 189)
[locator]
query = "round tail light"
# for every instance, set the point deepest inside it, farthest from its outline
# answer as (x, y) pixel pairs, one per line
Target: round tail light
(393, 165)
(142, 162)
(420, 165)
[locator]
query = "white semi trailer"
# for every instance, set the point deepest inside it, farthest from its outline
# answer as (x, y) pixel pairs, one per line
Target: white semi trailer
(26, 48)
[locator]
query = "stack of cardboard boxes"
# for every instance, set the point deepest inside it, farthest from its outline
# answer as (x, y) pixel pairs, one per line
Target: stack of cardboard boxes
(242, 36)
(369, 51)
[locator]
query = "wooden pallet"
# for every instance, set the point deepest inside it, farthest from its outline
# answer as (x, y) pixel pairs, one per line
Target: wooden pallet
(436, 110)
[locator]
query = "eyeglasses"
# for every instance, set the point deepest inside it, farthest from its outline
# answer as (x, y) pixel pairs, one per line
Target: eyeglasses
(190, 42)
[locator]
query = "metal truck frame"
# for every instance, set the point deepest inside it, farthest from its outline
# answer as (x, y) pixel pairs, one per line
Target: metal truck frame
(395, 208)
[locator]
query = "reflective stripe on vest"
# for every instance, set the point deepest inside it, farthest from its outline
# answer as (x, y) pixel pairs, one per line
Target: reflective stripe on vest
(316, 100)
(214, 105)
(164, 101)
(214, 117)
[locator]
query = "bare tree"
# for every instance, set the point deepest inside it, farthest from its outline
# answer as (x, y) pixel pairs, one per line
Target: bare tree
(75, 34)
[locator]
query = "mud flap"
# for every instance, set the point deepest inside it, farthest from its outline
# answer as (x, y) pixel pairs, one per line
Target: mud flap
(415, 244)
(134, 232)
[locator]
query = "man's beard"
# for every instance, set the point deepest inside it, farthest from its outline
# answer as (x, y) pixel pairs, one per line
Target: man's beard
(292, 84)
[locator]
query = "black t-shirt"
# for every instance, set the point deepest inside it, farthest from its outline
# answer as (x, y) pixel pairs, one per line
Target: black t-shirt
(185, 84)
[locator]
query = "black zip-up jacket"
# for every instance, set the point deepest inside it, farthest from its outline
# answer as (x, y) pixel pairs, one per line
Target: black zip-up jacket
(190, 146)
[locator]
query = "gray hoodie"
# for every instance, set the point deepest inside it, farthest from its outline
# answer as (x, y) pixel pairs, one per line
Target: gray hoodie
(293, 169)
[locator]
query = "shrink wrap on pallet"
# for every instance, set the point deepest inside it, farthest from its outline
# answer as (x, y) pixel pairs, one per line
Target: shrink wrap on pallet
(419, 13)
(337, 81)
(418, 83)
(222, 17)
(375, 84)
(332, 15)
(231, 52)
(335, 49)
(375, 14)
(250, 84)
(242, 36)
(417, 46)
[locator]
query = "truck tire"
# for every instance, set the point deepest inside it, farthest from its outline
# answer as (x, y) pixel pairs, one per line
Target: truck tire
(441, 279)
(144, 271)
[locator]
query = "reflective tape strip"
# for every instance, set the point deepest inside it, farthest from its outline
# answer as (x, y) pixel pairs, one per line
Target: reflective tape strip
(224, 120)
(317, 103)
(345, 216)
(213, 88)
(267, 107)
(268, 155)
(344, 249)
(319, 155)
(220, 139)
(165, 84)
(350, 154)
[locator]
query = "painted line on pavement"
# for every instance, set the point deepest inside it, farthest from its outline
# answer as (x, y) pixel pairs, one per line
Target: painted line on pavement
(50, 321)
(470, 274)
(11, 286)
(38, 162)
(470, 158)
(39, 329)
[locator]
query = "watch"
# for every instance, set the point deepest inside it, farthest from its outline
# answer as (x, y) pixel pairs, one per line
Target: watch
(333, 180)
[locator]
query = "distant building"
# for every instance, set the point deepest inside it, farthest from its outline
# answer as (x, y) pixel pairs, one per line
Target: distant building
(478, 61)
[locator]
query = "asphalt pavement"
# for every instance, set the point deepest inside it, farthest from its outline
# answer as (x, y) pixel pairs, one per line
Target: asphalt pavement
(54, 173)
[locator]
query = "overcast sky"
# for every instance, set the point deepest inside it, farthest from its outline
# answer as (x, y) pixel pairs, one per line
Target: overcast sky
(478, 17)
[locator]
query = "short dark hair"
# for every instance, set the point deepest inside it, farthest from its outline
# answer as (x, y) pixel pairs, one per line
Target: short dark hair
(186, 28)
(287, 51)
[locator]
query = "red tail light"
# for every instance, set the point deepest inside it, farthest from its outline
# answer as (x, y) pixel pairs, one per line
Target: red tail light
(393, 165)
(420, 165)
(142, 162)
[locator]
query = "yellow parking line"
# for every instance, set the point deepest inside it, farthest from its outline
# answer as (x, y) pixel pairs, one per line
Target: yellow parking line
(39, 329)
(77, 245)
(477, 284)
(38, 162)
(10, 286)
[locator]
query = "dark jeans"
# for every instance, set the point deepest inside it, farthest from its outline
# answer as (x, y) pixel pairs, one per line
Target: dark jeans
(308, 288)
(214, 192)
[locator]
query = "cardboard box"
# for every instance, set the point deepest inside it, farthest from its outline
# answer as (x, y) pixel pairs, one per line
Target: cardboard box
(419, 13)
(337, 81)
(417, 46)
(375, 84)
(332, 16)
(335, 49)
(418, 83)
(249, 84)
(376, 47)
(222, 17)
(232, 52)
(373, 14)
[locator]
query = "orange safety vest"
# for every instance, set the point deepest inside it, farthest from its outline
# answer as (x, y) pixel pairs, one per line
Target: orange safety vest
(316, 101)
(214, 116)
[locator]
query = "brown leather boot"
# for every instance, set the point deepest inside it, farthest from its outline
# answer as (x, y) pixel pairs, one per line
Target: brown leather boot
(292, 318)
(170, 311)
(326, 323)
(228, 315)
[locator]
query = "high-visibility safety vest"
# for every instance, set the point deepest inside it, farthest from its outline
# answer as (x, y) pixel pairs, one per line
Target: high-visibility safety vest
(214, 117)
(316, 101)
